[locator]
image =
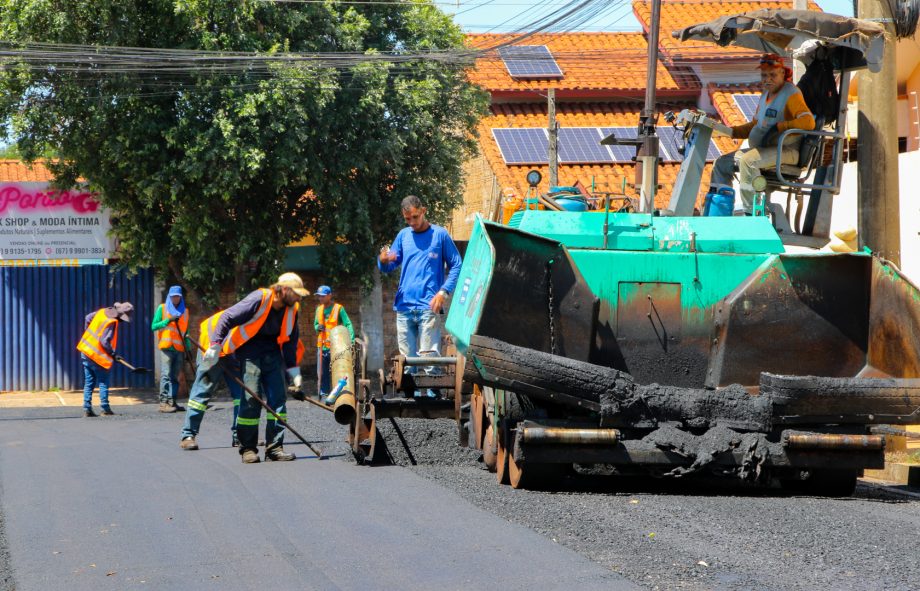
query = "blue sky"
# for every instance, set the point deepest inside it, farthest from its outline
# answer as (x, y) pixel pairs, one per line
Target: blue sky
(493, 16)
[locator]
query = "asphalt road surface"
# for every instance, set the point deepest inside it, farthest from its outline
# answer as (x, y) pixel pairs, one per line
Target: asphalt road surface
(112, 503)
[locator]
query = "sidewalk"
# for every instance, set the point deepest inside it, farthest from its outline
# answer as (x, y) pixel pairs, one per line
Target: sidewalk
(117, 397)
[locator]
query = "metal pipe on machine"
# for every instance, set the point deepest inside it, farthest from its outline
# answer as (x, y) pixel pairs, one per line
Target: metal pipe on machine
(834, 442)
(422, 361)
(342, 366)
(562, 435)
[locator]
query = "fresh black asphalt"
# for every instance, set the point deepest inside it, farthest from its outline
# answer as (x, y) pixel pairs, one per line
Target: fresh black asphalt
(113, 503)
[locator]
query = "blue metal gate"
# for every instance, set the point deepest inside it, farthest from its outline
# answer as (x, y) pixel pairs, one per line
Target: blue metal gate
(42, 310)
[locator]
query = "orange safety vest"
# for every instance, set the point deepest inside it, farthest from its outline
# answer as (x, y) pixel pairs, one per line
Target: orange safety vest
(322, 339)
(242, 333)
(90, 344)
(170, 336)
(301, 349)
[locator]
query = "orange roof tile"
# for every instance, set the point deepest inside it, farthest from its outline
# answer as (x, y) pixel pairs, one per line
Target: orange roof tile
(603, 177)
(677, 14)
(16, 171)
(590, 62)
(721, 97)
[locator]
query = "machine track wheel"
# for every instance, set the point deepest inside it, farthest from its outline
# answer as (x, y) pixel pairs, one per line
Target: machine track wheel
(501, 456)
(489, 455)
(522, 474)
(477, 419)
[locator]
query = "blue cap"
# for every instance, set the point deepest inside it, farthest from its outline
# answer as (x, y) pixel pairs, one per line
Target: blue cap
(323, 290)
(174, 310)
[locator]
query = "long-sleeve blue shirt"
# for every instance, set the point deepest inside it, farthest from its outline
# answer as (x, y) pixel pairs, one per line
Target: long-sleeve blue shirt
(266, 340)
(106, 341)
(423, 257)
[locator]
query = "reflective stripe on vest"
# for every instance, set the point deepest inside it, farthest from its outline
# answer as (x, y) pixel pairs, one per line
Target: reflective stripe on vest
(322, 339)
(170, 336)
(240, 334)
(90, 343)
(769, 114)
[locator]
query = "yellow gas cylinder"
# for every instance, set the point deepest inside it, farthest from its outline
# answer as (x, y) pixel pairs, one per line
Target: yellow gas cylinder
(510, 204)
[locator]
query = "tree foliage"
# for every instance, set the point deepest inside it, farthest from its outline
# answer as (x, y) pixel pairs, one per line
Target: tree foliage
(210, 173)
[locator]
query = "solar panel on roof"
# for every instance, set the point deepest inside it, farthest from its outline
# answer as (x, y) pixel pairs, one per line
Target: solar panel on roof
(621, 153)
(530, 61)
(583, 145)
(528, 145)
(747, 104)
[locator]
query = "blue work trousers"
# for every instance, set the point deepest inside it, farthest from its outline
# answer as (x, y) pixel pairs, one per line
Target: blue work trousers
(203, 389)
(170, 366)
(265, 376)
(324, 370)
(94, 375)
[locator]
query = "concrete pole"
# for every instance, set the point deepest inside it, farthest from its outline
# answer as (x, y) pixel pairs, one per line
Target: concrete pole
(798, 68)
(371, 309)
(553, 139)
(877, 146)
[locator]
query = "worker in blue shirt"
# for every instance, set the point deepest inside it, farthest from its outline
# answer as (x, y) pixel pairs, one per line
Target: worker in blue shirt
(423, 250)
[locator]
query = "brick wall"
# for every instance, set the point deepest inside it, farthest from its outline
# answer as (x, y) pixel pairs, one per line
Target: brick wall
(347, 294)
(481, 194)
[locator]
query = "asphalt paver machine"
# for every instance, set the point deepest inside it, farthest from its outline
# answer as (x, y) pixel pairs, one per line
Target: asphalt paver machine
(675, 345)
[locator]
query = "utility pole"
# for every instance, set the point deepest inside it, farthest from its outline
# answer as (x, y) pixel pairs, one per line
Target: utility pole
(877, 153)
(798, 68)
(647, 157)
(553, 139)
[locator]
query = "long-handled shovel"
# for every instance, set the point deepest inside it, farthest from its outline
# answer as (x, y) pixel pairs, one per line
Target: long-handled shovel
(133, 369)
(257, 398)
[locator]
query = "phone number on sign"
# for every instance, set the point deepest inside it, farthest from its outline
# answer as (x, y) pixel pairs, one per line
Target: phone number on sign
(70, 251)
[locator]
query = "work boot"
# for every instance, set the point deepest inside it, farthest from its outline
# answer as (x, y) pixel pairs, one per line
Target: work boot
(188, 443)
(235, 440)
(88, 412)
(166, 407)
(107, 412)
(177, 406)
(250, 456)
(277, 454)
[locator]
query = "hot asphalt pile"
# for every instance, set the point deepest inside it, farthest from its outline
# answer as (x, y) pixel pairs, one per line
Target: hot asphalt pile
(675, 534)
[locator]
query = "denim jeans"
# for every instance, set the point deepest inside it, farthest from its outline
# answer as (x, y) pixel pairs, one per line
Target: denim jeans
(202, 390)
(265, 376)
(418, 330)
(324, 371)
(170, 366)
(93, 375)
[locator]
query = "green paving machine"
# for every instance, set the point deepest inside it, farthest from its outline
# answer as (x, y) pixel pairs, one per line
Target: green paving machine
(672, 345)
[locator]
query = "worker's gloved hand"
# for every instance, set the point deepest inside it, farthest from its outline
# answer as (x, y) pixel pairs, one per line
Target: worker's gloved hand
(210, 358)
(296, 378)
(769, 138)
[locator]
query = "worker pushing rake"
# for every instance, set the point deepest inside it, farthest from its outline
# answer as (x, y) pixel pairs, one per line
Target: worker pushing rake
(251, 331)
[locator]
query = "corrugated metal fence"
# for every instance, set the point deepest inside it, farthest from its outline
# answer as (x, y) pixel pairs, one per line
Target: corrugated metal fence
(42, 310)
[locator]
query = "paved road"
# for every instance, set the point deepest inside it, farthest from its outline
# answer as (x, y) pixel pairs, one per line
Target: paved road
(112, 503)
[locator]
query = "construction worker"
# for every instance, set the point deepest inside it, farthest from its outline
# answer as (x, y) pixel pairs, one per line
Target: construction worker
(329, 314)
(252, 330)
(423, 250)
(97, 350)
(782, 107)
(206, 380)
(170, 323)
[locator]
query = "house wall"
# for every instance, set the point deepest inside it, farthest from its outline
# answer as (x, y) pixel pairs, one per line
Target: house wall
(481, 194)
(845, 209)
(913, 110)
(739, 73)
